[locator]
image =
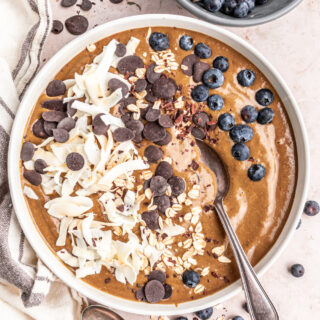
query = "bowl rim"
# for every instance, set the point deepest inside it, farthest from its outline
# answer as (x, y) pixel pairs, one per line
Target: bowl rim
(236, 22)
(48, 72)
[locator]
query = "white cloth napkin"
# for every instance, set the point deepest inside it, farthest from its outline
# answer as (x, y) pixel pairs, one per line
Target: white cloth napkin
(24, 280)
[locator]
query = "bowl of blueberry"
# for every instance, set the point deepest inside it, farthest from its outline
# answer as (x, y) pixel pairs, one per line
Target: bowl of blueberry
(239, 13)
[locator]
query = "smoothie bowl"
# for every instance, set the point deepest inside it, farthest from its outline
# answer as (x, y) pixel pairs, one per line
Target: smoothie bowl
(107, 181)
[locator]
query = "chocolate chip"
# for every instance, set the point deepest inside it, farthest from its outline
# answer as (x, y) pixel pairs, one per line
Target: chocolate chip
(151, 218)
(198, 133)
(200, 119)
(194, 165)
(56, 88)
(158, 185)
(140, 85)
(115, 84)
(33, 177)
(154, 291)
(53, 104)
(153, 132)
(153, 154)
(126, 101)
(146, 184)
(27, 151)
(123, 134)
(199, 68)
(164, 88)
(151, 75)
(150, 97)
(75, 161)
(177, 185)
(188, 63)
(77, 25)
(38, 129)
(40, 165)
(48, 127)
(167, 291)
(98, 126)
(126, 117)
(129, 64)
(166, 140)
(157, 275)
(164, 169)
(67, 124)
(60, 135)
(136, 126)
(162, 203)
(57, 26)
(165, 121)
(116, 1)
(53, 116)
(68, 3)
(120, 50)
(143, 112)
(86, 5)
(140, 295)
(152, 114)
(71, 111)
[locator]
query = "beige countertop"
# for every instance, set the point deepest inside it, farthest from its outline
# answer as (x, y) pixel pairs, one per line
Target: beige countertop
(292, 45)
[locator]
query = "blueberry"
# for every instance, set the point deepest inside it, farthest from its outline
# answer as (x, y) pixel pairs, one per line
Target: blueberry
(229, 6)
(215, 102)
(205, 313)
(297, 270)
(213, 78)
(240, 151)
(202, 51)
(251, 4)
(191, 278)
(246, 77)
(249, 114)
(264, 97)
(226, 121)
(311, 208)
(241, 133)
(265, 116)
(237, 318)
(221, 63)
(181, 318)
(299, 224)
(159, 41)
(186, 42)
(200, 93)
(241, 10)
(213, 5)
(256, 172)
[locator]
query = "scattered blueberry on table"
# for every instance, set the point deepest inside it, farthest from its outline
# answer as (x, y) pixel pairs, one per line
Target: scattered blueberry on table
(311, 208)
(237, 318)
(205, 313)
(297, 270)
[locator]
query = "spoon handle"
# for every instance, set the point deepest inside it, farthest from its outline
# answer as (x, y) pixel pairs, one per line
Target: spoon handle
(260, 306)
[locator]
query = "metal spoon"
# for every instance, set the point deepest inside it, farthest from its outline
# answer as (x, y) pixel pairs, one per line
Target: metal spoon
(97, 312)
(260, 306)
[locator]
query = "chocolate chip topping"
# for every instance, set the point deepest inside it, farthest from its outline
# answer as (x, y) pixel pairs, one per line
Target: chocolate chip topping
(146, 184)
(157, 275)
(140, 85)
(115, 84)
(71, 111)
(27, 151)
(167, 290)
(120, 50)
(152, 114)
(153, 154)
(67, 124)
(86, 5)
(33, 177)
(126, 117)
(150, 97)
(188, 63)
(53, 116)
(140, 295)
(53, 104)
(116, 1)
(38, 129)
(154, 291)
(57, 26)
(158, 185)
(126, 101)
(177, 185)
(68, 3)
(60, 135)
(200, 119)
(98, 126)
(164, 88)
(199, 68)
(166, 140)
(164, 170)
(75, 161)
(123, 134)
(56, 88)
(153, 132)
(48, 127)
(162, 203)
(137, 127)
(40, 165)
(165, 121)
(151, 75)
(129, 64)
(151, 218)
(198, 133)
(77, 25)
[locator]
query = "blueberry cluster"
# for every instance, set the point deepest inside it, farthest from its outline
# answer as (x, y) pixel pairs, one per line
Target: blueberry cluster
(235, 8)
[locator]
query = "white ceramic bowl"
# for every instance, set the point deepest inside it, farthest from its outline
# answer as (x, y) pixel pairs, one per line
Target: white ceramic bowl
(48, 72)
